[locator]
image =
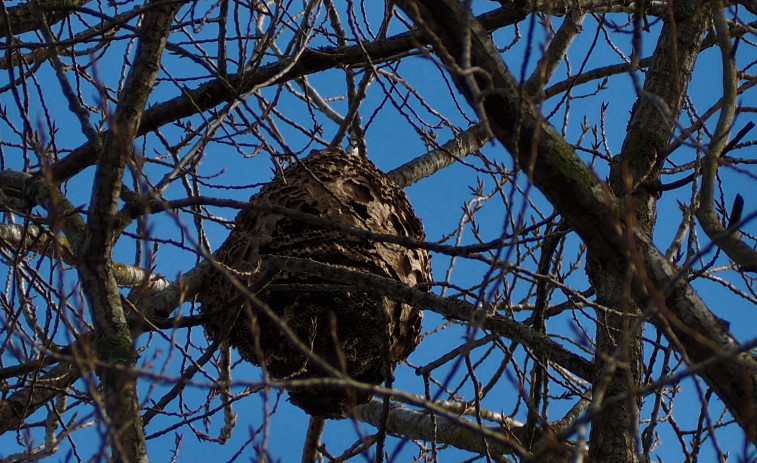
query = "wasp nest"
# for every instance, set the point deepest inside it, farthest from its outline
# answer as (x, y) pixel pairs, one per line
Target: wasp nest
(358, 333)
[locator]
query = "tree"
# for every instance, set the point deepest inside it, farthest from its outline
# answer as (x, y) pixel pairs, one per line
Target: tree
(568, 319)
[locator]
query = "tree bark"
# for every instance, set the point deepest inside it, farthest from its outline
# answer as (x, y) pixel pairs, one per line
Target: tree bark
(634, 175)
(113, 341)
(33, 14)
(589, 206)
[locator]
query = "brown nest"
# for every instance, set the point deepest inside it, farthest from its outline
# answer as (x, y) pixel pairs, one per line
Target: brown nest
(360, 334)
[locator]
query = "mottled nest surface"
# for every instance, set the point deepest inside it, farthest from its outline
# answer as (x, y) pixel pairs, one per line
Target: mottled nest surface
(342, 325)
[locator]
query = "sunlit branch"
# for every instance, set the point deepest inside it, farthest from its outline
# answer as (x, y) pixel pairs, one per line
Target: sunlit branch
(465, 143)
(33, 238)
(419, 425)
(36, 190)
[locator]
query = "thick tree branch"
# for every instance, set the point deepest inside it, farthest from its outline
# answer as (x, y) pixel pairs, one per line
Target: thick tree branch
(112, 335)
(413, 424)
(33, 190)
(33, 14)
(660, 100)
(589, 207)
(633, 175)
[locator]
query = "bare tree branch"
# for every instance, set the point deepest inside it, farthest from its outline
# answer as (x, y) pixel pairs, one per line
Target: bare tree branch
(726, 239)
(417, 425)
(33, 14)
(589, 207)
(538, 343)
(466, 143)
(112, 336)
